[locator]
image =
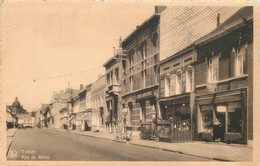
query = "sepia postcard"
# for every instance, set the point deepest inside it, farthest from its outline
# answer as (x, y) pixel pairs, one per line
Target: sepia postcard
(129, 82)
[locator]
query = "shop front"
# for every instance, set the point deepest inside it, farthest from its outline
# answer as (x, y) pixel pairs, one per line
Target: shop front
(175, 123)
(222, 116)
(146, 103)
(83, 121)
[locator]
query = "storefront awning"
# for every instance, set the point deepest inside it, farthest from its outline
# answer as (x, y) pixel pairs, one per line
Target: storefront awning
(177, 99)
(221, 97)
(86, 116)
(71, 118)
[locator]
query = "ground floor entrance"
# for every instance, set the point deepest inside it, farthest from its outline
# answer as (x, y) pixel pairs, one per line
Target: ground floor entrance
(222, 117)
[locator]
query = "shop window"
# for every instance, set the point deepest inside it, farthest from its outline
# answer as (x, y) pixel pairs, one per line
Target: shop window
(178, 83)
(234, 118)
(167, 86)
(189, 80)
(206, 119)
(240, 61)
(213, 69)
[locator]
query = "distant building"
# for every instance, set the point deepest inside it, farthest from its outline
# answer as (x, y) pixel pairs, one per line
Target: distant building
(17, 112)
(82, 108)
(113, 95)
(59, 107)
(45, 121)
(99, 110)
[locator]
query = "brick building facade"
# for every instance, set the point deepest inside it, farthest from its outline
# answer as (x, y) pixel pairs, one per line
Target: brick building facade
(140, 73)
(224, 81)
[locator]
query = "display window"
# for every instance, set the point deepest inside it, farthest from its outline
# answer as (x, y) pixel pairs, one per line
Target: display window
(207, 118)
(234, 117)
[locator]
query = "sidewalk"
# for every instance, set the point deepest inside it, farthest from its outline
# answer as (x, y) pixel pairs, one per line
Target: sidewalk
(207, 150)
(9, 136)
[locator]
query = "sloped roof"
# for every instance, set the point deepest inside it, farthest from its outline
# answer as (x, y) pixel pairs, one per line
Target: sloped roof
(9, 118)
(243, 13)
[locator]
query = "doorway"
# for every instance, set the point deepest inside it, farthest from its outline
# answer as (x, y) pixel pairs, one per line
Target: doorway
(219, 123)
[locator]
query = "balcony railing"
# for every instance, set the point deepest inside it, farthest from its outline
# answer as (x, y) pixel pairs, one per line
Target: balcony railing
(113, 89)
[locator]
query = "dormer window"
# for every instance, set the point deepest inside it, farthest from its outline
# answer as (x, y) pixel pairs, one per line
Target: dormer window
(213, 70)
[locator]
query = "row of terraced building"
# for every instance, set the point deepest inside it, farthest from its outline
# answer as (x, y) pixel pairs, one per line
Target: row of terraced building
(182, 75)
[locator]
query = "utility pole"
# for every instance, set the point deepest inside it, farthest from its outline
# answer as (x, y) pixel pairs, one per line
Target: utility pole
(120, 56)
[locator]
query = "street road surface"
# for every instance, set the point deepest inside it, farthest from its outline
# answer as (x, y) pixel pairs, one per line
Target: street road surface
(43, 144)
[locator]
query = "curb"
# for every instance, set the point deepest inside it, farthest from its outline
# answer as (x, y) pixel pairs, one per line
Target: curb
(8, 148)
(12, 135)
(180, 152)
(152, 147)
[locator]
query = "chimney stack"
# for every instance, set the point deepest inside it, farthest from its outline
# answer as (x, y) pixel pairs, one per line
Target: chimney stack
(218, 19)
(81, 86)
(159, 9)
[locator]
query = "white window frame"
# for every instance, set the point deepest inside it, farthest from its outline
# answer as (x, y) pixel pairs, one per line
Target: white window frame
(212, 62)
(167, 86)
(239, 66)
(189, 84)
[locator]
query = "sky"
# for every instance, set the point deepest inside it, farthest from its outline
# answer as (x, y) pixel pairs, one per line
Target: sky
(46, 40)
(50, 46)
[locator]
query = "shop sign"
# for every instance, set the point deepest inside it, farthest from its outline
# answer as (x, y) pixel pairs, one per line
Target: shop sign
(172, 102)
(221, 108)
(211, 87)
(144, 95)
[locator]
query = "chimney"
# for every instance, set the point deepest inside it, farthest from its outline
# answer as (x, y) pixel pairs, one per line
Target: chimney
(114, 50)
(81, 86)
(137, 26)
(218, 20)
(159, 9)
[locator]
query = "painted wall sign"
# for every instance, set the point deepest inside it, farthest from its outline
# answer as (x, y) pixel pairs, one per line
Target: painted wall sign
(144, 95)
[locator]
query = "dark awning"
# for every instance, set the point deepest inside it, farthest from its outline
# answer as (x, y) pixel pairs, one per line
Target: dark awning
(177, 99)
(219, 97)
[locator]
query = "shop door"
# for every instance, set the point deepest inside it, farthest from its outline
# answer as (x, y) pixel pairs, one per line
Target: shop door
(219, 124)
